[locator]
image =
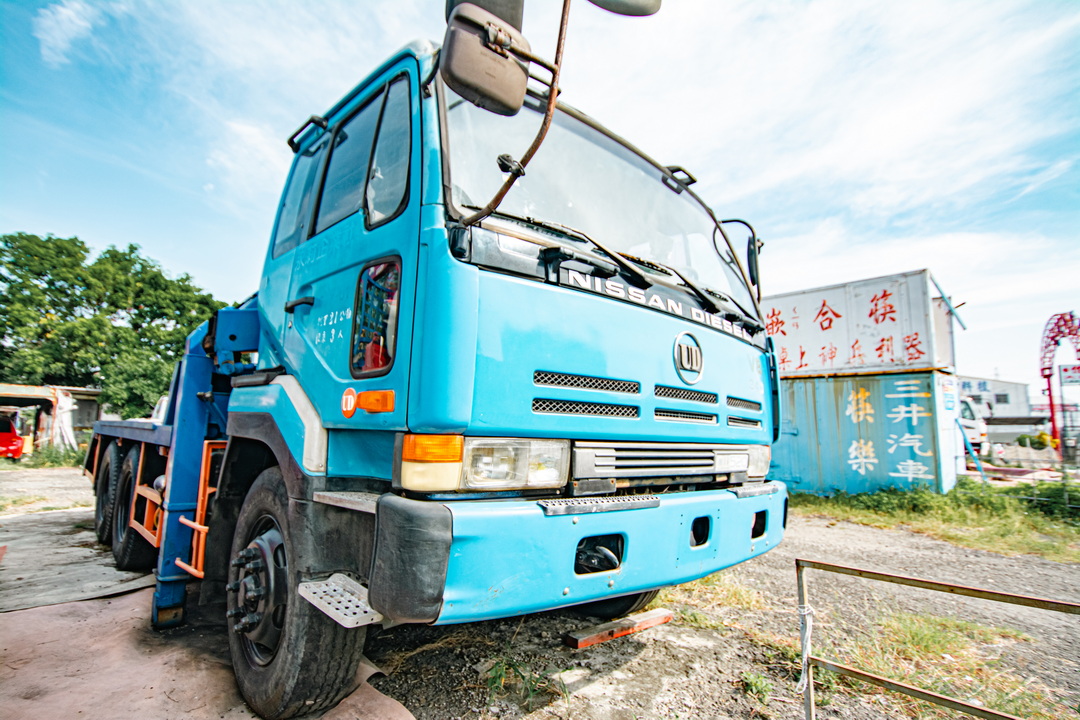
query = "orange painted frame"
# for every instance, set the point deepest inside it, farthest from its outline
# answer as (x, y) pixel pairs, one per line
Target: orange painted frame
(198, 525)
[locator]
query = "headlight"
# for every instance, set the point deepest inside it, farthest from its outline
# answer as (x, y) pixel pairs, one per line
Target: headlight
(760, 457)
(497, 464)
(449, 463)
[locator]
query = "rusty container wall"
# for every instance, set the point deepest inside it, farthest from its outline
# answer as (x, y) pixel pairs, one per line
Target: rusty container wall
(861, 433)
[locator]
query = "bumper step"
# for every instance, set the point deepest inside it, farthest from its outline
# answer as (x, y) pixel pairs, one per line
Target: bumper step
(342, 598)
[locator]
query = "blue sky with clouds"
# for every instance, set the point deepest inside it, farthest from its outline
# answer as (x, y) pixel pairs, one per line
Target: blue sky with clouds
(861, 138)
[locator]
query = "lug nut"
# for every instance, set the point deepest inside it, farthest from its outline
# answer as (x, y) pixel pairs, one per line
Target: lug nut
(233, 586)
(235, 612)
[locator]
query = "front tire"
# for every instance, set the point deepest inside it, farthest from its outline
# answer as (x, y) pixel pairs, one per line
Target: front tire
(617, 607)
(289, 658)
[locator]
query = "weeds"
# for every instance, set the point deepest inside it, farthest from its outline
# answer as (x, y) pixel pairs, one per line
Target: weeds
(51, 456)
(757, 686)
(7, 503)
(947, 656)
(972, 515)
(507, 676)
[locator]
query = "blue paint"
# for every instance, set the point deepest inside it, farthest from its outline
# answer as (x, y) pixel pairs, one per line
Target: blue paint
(864, 433)
(508, 558)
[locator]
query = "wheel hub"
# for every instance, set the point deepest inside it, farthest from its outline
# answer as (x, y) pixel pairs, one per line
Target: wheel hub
(260, 591)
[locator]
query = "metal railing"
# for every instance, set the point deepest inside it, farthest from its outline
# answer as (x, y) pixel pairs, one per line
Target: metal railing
(811, 661)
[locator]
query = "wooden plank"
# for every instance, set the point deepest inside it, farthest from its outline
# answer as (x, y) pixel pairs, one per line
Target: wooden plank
(617, 628)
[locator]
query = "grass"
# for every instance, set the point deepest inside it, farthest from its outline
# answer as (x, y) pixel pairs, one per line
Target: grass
(946, 656)
(508, 677)
(8, 503)
(756, 686)
(51, 456)
(972, 515)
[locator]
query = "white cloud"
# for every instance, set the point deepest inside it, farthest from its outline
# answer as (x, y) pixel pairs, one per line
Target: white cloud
(893, 105)
(249, 162)
(1009, 283)
(59, 26)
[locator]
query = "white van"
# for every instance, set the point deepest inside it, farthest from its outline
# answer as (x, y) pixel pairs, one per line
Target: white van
(974, 426)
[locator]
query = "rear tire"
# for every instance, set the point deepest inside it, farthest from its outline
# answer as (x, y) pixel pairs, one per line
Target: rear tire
(105, 489)
(289, 658)
(131, 551)
(617, 607)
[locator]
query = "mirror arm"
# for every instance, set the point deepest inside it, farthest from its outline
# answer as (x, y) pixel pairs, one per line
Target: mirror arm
(754, 239)
(553, 97)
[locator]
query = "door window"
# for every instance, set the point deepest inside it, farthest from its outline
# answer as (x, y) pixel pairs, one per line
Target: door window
(374, 335)
(388, 182)
(296, 205)
(343, 190)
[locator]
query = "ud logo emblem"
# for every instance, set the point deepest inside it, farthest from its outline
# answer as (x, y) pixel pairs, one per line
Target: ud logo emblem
(688, 358)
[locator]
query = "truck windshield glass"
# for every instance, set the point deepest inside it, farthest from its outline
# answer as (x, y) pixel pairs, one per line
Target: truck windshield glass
(583, 179)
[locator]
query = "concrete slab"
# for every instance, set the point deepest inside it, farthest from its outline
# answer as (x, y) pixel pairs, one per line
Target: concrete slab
(100, 659)
(54, 557)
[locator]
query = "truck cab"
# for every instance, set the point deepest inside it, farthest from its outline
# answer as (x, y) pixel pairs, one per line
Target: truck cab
(569, 402)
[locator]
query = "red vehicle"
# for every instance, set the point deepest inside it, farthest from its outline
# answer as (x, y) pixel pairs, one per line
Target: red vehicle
(11, 444)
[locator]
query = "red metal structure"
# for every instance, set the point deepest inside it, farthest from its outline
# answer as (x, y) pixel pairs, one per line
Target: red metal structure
(1063, 326)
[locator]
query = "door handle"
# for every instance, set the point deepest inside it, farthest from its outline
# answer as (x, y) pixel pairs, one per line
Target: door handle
(293, 304)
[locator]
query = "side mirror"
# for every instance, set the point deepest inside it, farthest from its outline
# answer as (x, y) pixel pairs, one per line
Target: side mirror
(629, 7)
(478, 62)
(752, 259)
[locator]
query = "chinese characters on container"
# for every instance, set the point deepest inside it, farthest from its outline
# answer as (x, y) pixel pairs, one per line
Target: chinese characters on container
(908, 453)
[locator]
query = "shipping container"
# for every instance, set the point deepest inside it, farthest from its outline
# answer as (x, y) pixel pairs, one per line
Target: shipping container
(861, 433)
(888, 324)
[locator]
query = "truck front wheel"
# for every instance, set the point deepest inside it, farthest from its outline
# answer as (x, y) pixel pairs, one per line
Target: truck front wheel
(616, 607)
(289, 658)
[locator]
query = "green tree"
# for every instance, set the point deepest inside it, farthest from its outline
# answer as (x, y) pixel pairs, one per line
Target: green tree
(116, 322)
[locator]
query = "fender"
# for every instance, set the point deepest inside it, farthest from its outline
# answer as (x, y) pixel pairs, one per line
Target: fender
(297, 427)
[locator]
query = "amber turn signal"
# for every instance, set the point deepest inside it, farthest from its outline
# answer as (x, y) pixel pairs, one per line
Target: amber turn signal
(432, 448)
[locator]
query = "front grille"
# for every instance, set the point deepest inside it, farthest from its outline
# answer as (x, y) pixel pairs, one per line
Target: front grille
(683, 416)
(743, 422)
(645, 459)
(568, 407)
(683, 394)
(554, 379)
(734, 402)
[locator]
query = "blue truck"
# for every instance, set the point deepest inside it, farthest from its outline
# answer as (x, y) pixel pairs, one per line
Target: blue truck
(437, 411)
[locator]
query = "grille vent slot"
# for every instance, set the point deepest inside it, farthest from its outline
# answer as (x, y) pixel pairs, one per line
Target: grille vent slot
(569, 407)
(734, 402)
(683, 416)
(554, 379)
(743, 422)
(665, 391)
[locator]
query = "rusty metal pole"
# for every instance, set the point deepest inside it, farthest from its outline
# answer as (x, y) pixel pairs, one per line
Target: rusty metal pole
(808, 693)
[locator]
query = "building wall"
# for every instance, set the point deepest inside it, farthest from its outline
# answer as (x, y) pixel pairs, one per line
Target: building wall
(996, 397)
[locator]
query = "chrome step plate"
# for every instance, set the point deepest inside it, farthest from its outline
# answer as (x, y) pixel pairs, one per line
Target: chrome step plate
(342, 598)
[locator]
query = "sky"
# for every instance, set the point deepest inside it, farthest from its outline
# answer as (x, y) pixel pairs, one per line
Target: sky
(860, 137)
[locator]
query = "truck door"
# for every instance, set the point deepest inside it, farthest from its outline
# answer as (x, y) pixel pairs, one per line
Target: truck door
(353, 281)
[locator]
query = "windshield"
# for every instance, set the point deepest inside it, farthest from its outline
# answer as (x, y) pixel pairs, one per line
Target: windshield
(583, 179)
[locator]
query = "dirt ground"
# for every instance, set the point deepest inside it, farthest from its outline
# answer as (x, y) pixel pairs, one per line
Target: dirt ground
(671, 671)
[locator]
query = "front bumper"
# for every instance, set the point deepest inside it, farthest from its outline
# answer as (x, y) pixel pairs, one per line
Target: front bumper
(475, 560)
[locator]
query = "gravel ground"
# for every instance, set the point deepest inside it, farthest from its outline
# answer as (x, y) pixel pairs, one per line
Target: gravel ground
(680, 671)
(50, 488)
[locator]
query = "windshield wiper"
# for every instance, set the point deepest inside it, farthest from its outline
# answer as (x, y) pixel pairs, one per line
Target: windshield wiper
(636, 277)
(706, 301)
